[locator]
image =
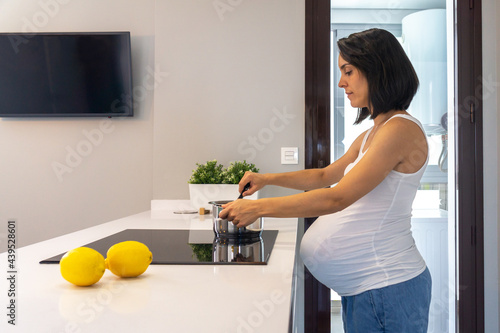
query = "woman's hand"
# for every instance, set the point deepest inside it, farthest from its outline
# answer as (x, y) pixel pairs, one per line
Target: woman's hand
(256, 180)
(241, 212)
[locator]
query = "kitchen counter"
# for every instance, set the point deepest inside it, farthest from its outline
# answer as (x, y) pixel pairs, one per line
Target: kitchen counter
(166, 298)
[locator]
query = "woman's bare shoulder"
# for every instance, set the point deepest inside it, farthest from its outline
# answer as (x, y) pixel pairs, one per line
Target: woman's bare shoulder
(356, 145)
(405, 138)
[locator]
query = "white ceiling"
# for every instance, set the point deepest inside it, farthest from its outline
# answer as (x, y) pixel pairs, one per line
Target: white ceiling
(388, 4)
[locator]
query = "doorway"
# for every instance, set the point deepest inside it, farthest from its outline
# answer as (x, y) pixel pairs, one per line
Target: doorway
(447, 226)
(421, 28)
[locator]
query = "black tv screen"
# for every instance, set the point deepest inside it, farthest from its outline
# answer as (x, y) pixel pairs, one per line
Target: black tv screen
(65, 75)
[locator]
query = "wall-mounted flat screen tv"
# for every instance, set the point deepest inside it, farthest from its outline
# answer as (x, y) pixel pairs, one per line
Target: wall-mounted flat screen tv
(65, 75)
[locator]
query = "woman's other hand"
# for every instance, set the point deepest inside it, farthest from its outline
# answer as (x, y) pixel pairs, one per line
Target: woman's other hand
(241, 212)
(256, 180)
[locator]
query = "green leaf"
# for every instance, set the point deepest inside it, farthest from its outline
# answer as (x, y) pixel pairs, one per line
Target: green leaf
(213, 173)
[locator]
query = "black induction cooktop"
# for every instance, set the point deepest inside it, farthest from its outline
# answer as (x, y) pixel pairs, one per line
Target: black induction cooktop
(190, 247)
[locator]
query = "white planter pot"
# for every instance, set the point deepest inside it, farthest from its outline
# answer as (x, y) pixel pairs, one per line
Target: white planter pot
(201, 194)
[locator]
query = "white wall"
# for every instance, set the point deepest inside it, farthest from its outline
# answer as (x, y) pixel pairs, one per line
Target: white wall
(230, 86)
(115, 179)
(235, 87)
(491, 142)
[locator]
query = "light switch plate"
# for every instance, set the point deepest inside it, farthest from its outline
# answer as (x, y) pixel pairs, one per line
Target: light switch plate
(289, 155)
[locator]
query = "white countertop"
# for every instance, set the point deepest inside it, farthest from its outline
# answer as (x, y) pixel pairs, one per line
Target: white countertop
(166, 298)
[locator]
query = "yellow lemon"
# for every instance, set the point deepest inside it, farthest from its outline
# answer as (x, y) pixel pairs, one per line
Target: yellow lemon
(128, 259)
(82, 266)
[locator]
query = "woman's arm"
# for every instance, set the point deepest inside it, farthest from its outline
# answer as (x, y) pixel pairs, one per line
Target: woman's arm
(304, 180)
(394, 143)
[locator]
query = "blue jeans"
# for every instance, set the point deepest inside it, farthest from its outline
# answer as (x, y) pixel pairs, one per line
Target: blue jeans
(399, 308)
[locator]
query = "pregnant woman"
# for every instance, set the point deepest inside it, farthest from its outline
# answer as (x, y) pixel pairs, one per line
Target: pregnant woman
(361, 245)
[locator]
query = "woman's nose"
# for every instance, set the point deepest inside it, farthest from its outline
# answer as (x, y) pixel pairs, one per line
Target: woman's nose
(341, 83)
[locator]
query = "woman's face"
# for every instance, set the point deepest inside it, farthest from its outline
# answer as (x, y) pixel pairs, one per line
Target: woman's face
(354, 83)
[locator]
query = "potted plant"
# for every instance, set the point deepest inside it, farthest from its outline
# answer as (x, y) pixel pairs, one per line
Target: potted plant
(212, 182)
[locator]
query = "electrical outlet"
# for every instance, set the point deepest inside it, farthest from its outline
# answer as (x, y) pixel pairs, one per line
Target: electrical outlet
(289, 155)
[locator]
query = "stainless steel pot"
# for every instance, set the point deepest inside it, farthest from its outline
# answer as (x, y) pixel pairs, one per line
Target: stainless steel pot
(225, 228)
(238, 250)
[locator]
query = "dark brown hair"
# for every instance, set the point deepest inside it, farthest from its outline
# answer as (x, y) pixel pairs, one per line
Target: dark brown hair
(392, 80)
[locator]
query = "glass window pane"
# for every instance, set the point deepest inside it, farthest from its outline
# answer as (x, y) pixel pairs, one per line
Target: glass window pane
(426, 32)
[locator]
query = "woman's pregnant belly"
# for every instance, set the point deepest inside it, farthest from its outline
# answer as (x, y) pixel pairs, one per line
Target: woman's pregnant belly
(350, 256)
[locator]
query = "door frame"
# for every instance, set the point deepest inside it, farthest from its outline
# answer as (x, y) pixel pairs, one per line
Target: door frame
(469, 155)
(469, 176)
(317, 311)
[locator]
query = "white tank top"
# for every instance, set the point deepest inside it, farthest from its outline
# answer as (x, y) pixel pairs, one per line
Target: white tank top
(369, 244)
